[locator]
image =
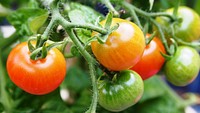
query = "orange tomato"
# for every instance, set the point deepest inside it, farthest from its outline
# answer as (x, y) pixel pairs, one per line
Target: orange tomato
(123, 48)
(36, 76)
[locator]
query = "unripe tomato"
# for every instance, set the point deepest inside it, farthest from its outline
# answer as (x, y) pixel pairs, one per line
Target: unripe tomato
(123, 48)
(124, 91)
(36, 76)
(152, 60)
(183, 68)
(188, 26)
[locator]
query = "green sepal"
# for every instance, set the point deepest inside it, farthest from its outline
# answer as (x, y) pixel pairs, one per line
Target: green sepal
(44, 51)
(108, 20)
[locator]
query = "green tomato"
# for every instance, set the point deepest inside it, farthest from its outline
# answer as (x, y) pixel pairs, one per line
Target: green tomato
(122, 92)
(188, 26)
(183, 67)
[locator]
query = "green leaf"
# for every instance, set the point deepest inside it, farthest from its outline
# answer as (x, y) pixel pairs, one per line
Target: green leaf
(152, 89)
(37, 22)
(83, 15)
(76, 79)
(24, 18)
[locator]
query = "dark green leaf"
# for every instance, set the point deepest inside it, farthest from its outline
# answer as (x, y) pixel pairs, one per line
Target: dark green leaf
(74, 50)
(76, 79)
(152, 89)
(83, 14)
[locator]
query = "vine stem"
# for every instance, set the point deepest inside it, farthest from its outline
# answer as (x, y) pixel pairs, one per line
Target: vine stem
(132, 12)
(162, 36)
(4, 96)
(110, 7)
(146, 14)
(91, 63)
(93, 105)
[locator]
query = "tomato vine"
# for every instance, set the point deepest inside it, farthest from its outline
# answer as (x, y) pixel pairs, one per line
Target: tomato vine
(40, 50)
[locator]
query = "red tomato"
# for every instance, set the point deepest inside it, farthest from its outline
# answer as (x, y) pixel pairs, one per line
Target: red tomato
(123, 48)
(152, 60)
(36, 76)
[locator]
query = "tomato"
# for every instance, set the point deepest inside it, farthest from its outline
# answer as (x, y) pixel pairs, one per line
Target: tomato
(188, 27)
(122, 92)
(183, 68)
(36, 76)
(152, 60)
(123, 48)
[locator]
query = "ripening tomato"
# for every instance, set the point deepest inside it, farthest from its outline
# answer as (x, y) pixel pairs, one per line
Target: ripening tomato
(36, 76)
(188, 26)
(123, 48)
(183, 67)
(152, 60)
(122, 92)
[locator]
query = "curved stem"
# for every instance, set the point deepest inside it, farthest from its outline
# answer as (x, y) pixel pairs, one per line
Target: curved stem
(110, 7)
(47, 30)
(133, 14)
(80, 47)
(68, 24)
(146, 14)
(93, 105)
(162, 36)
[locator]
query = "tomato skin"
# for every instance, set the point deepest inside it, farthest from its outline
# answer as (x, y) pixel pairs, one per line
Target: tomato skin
(188, 28)
(36, 77)
(152, 60)
(121, 93)
(183, 68)
(123, 48)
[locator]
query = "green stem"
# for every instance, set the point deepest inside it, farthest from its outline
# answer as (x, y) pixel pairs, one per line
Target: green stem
(162, 36)
(110, 7)
(146, 14)
(133, 14)
(80, 47)
(47, 30)
(93, 105)
(68, 24)
(5, 42)
(175, 12)
(4, 96)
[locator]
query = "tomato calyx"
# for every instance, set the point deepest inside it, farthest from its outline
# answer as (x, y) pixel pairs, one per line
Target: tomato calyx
(41, 48)
(103, 37)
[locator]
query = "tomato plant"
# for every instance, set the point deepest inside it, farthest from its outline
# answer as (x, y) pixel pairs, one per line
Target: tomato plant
(188, 25)
(109, 47)
(122, 92)
(152, 60)
(36, 76)
(183, 67)
(123, 48)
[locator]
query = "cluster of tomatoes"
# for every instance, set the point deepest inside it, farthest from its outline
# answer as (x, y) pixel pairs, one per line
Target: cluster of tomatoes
(124, 52)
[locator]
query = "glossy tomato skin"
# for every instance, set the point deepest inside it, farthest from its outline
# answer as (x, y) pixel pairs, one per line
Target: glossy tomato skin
(183, 68)
(123, 92)
(188, 27)
(152, 60)
(36, 77)
(123, 48)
